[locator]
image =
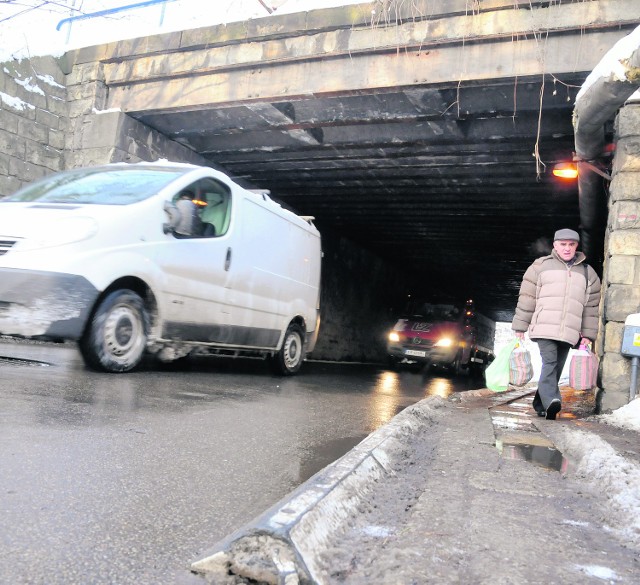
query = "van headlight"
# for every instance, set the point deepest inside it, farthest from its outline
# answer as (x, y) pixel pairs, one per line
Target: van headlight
(59, 233)
(444, 342)
(394, 337)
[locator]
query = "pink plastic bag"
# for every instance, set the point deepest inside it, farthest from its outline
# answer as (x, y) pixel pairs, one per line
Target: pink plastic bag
(520, 367)
(583, 370)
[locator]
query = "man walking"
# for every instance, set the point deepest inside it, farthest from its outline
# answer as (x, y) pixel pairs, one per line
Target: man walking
(558, 304)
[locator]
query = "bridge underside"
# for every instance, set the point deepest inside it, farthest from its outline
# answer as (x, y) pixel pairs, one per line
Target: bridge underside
(444, 182)
(437, 157)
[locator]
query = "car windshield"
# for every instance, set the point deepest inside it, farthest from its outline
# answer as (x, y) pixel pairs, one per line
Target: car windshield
(430, 312)
(117, 186)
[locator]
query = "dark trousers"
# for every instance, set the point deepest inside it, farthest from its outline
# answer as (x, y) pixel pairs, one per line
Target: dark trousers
(554, 355)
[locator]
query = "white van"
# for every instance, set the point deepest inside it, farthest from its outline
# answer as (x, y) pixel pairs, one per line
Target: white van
(158, 257)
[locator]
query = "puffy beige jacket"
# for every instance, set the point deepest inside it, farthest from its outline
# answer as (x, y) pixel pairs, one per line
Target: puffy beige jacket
(557, 301)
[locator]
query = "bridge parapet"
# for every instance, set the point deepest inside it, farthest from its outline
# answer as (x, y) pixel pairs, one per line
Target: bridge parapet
(348, 49)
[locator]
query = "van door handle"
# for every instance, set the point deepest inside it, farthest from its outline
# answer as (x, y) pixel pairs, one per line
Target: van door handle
(227, 260)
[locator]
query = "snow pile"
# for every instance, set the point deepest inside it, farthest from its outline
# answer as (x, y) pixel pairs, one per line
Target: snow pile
(615, 477)
(627, 417)
(613, 65)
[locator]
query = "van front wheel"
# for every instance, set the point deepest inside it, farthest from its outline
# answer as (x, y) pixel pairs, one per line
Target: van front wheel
(116, 337)
(289, 359)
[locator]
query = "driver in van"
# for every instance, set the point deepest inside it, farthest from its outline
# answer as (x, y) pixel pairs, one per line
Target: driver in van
(190, 224)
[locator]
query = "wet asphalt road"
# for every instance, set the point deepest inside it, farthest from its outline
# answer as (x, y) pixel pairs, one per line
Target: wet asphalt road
(129, 478)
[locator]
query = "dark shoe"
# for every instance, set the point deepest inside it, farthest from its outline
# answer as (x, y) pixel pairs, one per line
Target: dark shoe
(553, 409)
(537, 405)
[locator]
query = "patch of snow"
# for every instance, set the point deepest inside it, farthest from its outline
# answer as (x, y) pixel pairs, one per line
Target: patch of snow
(575, 523)
(49, 80)
(612, 64)
(378, 531)
(599, 572)
(14, 102)
(626, 417)
(109, 111)
(29, 86)
(615, 476)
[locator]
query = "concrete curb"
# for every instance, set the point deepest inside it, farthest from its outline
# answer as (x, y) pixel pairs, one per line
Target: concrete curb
(283, 544)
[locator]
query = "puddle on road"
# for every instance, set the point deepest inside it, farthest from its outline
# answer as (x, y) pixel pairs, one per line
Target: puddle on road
(535, 449)
(518, 438)
(325, 454)
(547, 457)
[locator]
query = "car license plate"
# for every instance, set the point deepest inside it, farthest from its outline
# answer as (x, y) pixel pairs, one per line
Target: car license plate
(415, 353)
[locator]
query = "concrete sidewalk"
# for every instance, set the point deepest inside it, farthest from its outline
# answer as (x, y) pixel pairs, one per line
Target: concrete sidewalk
(429, 498)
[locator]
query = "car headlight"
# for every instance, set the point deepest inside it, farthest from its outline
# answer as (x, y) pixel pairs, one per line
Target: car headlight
(64, 231)
(444, 342)
(394, 337)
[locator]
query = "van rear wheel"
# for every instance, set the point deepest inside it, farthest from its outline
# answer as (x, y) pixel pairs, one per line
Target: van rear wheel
(116, 336)
(291, 355)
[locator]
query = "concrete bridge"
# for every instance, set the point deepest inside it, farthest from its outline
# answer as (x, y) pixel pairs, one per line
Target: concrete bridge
(425, 131)
(420, 135)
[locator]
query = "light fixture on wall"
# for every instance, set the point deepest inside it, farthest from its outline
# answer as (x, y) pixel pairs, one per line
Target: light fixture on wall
(565, 170)
(569, 170)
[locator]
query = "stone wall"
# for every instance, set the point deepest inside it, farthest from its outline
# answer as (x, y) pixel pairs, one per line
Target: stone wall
(621, 276)
(360, 299)
(52, 118)
(98, 136)
(33, 118)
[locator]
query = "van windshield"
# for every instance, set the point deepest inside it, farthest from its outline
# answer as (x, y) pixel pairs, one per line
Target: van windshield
(431, 312)
(117, 186)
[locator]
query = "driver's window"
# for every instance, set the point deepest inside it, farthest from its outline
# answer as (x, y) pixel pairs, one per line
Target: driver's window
(204, 209)
(216, 211)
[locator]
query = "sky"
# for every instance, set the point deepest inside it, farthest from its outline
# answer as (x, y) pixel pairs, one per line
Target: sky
(40, 27)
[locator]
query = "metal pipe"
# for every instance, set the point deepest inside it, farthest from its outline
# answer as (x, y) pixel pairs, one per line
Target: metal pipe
(592, 205)
(110, 11)
(634, 377)
(604, 92)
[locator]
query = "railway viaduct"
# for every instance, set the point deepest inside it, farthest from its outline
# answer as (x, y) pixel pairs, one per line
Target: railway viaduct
(421, 135)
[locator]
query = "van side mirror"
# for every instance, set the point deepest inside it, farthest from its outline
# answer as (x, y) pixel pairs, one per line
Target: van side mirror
(174, 217)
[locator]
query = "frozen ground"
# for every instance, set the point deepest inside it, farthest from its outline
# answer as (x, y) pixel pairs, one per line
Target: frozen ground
(455, 511)
(482, 519)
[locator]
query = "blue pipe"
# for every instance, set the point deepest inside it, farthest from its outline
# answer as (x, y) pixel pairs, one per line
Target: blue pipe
(109, 11)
